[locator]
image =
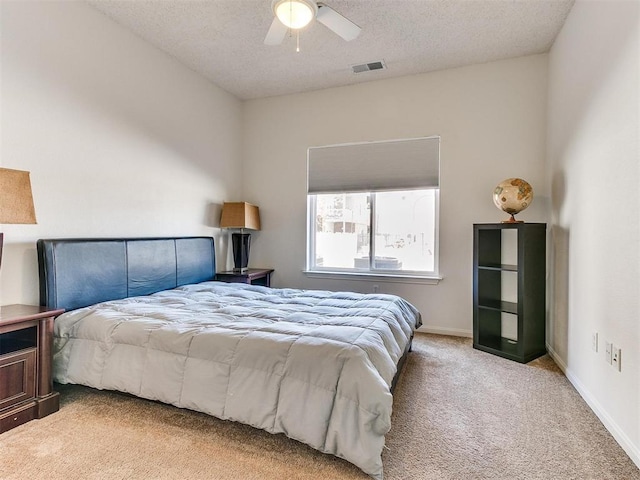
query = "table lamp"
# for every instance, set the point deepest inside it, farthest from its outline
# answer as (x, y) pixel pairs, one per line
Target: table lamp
(240, 215)
(16, 201)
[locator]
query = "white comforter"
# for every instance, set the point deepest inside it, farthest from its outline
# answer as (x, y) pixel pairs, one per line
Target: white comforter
(314, 365)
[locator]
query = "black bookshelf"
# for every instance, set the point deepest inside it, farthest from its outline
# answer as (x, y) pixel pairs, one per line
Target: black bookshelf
(530, 277)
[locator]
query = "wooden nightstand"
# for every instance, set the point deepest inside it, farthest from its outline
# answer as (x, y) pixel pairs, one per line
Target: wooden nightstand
(253, 276)
(26, 343)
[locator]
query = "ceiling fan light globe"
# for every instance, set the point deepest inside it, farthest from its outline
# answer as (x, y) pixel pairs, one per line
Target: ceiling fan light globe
(295, 14)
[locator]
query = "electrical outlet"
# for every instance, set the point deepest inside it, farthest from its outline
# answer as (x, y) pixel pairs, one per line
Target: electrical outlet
(594, 342)
(375, 289)
(616, 358)
(607, 352)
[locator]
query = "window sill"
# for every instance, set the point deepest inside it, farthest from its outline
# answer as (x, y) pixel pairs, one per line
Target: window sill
(374, 277)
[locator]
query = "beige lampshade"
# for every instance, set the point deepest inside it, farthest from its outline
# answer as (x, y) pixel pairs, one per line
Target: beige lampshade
(16, 201)
(240, 215)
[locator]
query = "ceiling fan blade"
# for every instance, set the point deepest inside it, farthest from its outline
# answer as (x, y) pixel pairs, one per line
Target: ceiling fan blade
(276, 33)
(336, 22)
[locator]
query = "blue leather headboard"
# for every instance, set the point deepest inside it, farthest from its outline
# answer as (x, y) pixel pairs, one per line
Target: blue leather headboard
(75, 273)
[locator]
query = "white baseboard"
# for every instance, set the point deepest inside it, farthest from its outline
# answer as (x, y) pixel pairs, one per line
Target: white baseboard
(618, 434)
(454, 332)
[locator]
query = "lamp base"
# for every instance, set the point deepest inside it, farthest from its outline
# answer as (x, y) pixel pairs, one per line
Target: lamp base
(241, 244)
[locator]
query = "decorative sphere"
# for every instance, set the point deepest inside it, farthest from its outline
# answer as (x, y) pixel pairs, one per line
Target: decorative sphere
(513, 195)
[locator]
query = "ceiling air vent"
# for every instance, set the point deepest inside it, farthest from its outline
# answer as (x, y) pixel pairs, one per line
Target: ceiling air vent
(368, 67)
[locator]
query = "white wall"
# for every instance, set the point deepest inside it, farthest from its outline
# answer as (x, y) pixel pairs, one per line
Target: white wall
(491, 118)
(594, 175)
(120, 139)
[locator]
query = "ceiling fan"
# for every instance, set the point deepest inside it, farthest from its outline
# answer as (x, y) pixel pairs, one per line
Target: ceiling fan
(297, 14)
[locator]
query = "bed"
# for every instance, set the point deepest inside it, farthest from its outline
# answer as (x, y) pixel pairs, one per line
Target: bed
(145, 316)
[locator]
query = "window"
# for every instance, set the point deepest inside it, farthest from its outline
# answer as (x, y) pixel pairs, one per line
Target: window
(373, 208)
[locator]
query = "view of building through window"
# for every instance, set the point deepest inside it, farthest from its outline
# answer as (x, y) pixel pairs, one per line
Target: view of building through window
(400, 234)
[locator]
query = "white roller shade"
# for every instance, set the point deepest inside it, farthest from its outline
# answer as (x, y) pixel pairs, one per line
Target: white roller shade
(375, 166)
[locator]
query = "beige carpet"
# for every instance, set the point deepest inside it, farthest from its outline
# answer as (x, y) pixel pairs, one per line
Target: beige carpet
(458, 414)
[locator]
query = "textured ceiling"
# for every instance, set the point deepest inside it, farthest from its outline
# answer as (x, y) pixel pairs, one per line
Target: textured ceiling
(223, 39)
